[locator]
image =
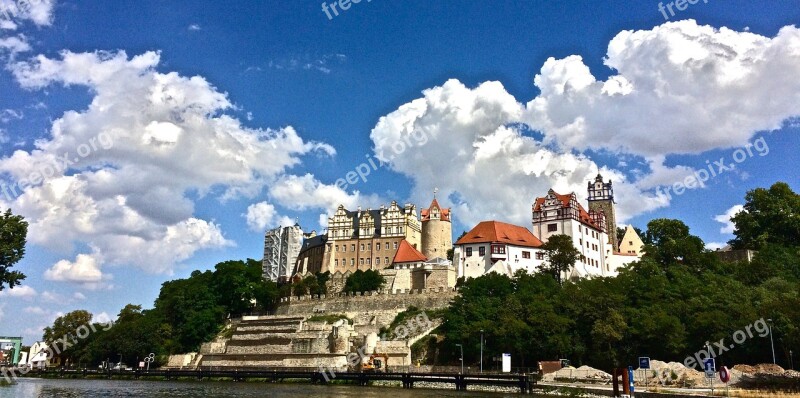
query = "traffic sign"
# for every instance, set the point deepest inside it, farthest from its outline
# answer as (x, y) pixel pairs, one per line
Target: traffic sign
(724, 374)
(644, 362)
(710, 367)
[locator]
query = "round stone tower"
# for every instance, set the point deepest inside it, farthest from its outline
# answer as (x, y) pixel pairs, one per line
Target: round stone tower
(437, 231)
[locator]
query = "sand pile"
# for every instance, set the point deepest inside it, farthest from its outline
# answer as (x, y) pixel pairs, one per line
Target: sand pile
(746, 369)
(669, 374)
(676, 374)
(769, 368)
(583, 373)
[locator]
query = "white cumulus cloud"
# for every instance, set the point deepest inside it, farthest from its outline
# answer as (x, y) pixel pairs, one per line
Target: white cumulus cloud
(21, 291)
(261, 216)
(725, 219)
(469, 143)
(680, 88)
(128, 198)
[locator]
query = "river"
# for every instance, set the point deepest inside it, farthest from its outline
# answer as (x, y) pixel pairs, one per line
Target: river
(52, 388)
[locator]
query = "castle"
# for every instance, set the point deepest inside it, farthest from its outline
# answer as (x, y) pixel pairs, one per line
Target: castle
(377, 239)
(494, 246)
(406, 247)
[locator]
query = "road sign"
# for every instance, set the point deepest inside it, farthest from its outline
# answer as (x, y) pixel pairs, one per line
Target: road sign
(506, 363)
(710, 367)
(644, 362)
(724, 374)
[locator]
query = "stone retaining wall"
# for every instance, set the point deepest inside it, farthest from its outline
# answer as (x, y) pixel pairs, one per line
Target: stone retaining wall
(354, 304)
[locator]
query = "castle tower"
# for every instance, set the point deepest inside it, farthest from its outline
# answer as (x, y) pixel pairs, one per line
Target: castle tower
(601, 200)
(437, 231)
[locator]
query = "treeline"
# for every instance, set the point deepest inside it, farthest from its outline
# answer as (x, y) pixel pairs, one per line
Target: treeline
(187, 313)
(668, 306)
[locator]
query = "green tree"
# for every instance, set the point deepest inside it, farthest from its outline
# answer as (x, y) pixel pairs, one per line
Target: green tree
(561, 256)
(67, 334)
(13, 235)
(770, 216)
(364, 281)
(671, 244)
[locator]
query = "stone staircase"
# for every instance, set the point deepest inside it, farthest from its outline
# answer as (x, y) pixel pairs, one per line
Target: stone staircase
(280, 342)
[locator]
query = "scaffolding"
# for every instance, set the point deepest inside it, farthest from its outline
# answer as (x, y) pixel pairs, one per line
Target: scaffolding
(270, 265)
(291, 242)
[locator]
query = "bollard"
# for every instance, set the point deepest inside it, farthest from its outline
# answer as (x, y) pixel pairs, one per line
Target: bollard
(626, 383)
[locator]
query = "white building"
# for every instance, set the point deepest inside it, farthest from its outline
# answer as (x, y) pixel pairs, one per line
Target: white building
(39, 355)
(494, 246)
(557, 214)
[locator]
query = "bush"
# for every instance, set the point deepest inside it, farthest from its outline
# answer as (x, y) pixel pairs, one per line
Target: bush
(364, 281)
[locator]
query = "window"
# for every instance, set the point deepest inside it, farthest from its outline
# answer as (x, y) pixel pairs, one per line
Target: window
(630, 242)
(469, 252)
(401, 230)
(395, 245)
(386, 260)
(353, 247)
(369, 261)
(361, 261)
(337, 248)
(336, 262)
(352, 261)
(580, 242)
(539, 255)
(481, 251)
(526, 254)
(377, 260)
(498, 249)
(387, 245)
(362, 247)
(552, 227)
(344, 248)
(378, 246)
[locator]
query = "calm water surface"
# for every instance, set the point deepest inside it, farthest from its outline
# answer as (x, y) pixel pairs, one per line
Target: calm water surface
(121, 388)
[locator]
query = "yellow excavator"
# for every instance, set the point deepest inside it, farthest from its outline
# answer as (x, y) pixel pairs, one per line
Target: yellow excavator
(377, 363)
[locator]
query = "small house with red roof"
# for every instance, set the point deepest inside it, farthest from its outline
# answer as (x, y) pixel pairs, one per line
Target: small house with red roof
(494, 246)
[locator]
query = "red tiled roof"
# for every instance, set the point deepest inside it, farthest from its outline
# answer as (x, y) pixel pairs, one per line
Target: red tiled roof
(565, 202)
(444, 214)
(500, 232)
(407, 254)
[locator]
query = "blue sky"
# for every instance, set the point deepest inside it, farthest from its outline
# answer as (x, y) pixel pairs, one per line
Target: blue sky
(225, 119)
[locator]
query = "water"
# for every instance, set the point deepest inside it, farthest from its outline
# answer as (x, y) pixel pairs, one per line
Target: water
(49, 388)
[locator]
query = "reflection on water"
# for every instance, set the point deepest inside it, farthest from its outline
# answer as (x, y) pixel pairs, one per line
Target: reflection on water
(40, 388)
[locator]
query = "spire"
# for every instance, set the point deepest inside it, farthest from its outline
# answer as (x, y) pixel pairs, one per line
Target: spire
(435, 191)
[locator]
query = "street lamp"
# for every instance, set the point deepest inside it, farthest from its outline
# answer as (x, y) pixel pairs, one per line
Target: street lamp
(771, 342)
(481, 350)
(791, 359)
(462, 357)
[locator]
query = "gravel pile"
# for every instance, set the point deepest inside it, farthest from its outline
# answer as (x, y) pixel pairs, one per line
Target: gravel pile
(584, 374)
(678, 375)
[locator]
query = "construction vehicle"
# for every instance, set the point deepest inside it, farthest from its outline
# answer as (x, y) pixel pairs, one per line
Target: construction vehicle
(377, 363)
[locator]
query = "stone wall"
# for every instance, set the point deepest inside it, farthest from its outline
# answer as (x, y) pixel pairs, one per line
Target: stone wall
(354, 304)
(397, 279)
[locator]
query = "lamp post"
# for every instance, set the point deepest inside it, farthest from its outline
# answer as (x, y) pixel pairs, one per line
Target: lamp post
(771, 341)
(462, 357)
(791, 359)
(481, 350)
